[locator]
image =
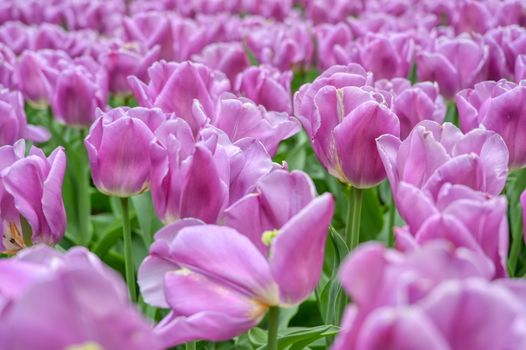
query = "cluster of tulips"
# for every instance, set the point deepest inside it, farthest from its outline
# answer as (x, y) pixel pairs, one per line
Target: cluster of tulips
(158, 189)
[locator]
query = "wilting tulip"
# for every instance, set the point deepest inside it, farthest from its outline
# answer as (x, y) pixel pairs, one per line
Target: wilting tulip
(414, 103)
(464, 217)
(150, 29)
(435, 154)
(78, 91)
(266, 86)
(345, 125)
(498, 106)
(42, 287)
(229, 58)
(118, 146)
(455, 64)
(33, 70)
(187, 272)
(174, 86)
(240, 118)
(198, 178)
(13, 124)
(31, 190)
(124, 59)
(430, 298)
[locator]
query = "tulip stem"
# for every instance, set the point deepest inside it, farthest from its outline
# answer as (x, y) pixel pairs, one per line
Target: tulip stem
(84, 201)
(128, 260)
(390, 222)
(273, 322)
(514, 209)
(191, 346)
(354, 215)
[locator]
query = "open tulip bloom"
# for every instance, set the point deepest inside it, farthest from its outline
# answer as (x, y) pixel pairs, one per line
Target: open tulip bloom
(219, 284)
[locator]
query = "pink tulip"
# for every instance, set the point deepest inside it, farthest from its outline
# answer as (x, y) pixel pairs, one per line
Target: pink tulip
(219, 285)
(7, 64)
(151, 29)
(334, 45)
(431, 298)
(435, 154)
(42, 288)
(414, 103)
(31, 189)
(174, 86)
(266, 86)
(455, 64)
(505, 45)
(497, 106)
(118, 146)
(229, 58)
(16, 36)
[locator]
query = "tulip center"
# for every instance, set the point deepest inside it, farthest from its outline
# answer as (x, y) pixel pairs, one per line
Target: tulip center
(12, 238)
(85, 346)
(268, 237)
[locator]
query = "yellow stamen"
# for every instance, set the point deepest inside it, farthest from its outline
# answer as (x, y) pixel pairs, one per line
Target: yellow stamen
(85, 346)
(268, 237)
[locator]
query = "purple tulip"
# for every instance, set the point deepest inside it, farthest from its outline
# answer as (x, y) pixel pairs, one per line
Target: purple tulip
(34, 70)
(266, 86)
(150, 29)
(414, 103)
(497, 106)
(454, 63)
(13, 124)
(118, 146)
(199, 177)
(31, 188)
(49, 36)
(332, 11)
(77, 92)
(520, 68)
(219, 285)
(7, 65)
(343, 130)
(121, 60)
(278, 9)
(16, 36)
(282, 45)
(505, 45)
(174, 86)
(240, 118)
(435, 154)
(41, 287)
(472, 17)
(229, 58)
(334, 44)
(386, 55)
(462, 216)
(431, 298)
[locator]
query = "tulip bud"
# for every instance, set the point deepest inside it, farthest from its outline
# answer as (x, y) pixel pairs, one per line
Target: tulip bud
(118, 146)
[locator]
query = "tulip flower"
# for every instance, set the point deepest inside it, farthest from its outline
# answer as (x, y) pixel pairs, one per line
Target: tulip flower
(334, 44)
(31, 191)
(16, 36)
(266, 86)
(150, 29)
(462, 216)
(505, 45)
(497, 106)
(430, 298)
(78, 91)
(200, 177)
(13, 124)
(219, 285)
(174, 86)
(229, 58)
(333, 11)
(415, 103)
(347, 121)
(473, 17)
(8, 59)
(118, 146)
(435, 154)
(240, 118)
(520, 68)
(33, 71)
(42, 287)
(124, 59)
(455, 64)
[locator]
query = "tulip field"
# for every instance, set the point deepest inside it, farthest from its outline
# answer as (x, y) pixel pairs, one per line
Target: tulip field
(262, 174)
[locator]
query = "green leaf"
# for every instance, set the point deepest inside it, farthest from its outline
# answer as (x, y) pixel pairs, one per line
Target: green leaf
(304, 335)
(148, 221)
(257, 336)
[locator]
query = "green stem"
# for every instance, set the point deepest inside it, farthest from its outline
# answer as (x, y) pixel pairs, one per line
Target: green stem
(191, 346)
(273, 323)
(84, 200)
(390, 222)
(354, 215)
(128, 260)
(516, 246)
(515, 216)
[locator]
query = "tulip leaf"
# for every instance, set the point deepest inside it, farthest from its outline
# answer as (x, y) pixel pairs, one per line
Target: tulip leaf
(148, 221)
(303, 336)
(257, 336)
